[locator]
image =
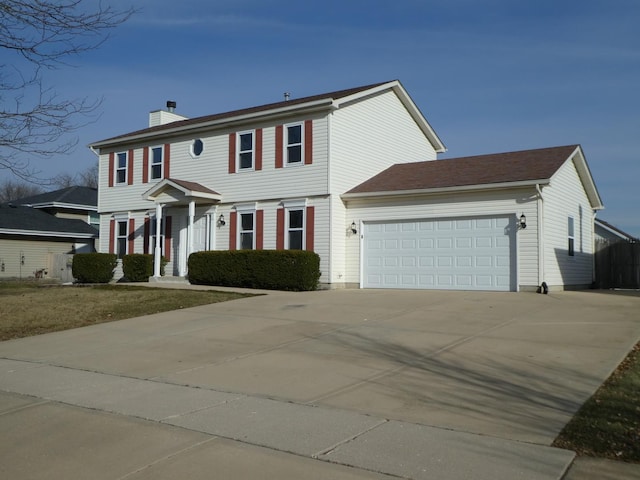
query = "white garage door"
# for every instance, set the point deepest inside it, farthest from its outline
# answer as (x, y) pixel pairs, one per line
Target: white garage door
(450, 254)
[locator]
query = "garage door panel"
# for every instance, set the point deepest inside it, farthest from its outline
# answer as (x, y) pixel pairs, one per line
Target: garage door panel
(465, 253)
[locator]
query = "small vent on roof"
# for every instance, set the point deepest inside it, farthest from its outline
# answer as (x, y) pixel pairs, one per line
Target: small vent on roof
(171, 106)
(287, 96)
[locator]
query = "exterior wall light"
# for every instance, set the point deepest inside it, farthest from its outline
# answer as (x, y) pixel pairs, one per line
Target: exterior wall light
(354, 230)
(523, 221)
(221, 222)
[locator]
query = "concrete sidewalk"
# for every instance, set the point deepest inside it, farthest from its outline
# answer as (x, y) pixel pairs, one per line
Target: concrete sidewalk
(79, 424)
(339, 384)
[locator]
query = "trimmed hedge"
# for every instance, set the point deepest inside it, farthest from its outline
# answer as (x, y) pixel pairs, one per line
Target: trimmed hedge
(94, 267)
(269, 269)
(138, 267)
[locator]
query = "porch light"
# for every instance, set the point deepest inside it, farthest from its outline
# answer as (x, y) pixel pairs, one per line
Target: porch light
(221, 222)
(354, 230)
(523, 221)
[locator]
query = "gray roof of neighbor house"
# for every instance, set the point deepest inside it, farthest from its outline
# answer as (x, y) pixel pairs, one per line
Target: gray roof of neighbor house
(510, 169)
(76, 196)
(615, 230)
(19, 220)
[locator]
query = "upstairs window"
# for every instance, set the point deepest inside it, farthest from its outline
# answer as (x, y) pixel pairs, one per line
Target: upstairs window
(293, 142)
(571, 237)
(245, 150)
(121, 167)
(157, 161)
(197, 147)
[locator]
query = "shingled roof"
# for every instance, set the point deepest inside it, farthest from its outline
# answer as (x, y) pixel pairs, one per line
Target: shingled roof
(245, 111)
(79, 196)
(18, 220)
(499, 168)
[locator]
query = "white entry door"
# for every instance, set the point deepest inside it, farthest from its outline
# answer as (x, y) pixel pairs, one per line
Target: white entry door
(475, 253)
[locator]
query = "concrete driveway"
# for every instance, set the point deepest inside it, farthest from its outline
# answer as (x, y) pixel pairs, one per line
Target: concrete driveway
(510, 367)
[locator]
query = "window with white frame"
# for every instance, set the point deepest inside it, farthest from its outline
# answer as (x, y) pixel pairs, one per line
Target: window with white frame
(122, 235)
(293, 143)
(121, 167)
(246, 230)
(571, 237)
(245, 150)
(295, 229)
(157, 162)
(153, 236)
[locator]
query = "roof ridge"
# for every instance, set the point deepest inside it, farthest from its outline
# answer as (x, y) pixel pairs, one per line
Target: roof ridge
(256, 108)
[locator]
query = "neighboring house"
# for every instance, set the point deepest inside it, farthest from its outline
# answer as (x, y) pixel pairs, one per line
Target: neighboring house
(76, 202)
(352, 175)
(605, 232)
(34, 243)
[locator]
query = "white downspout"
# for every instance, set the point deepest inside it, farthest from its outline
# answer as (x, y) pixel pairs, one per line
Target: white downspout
(157, 252)
(540, 235)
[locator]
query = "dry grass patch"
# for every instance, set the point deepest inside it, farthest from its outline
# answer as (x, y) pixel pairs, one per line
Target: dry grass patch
(31, 309)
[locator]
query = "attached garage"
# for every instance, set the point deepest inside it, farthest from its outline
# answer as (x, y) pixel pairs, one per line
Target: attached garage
(471, 253)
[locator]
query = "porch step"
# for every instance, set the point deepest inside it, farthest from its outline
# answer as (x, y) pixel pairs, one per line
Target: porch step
(167, 279)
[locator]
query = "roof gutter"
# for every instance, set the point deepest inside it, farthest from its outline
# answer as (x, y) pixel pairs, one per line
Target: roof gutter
(42, 233)
(432, 191)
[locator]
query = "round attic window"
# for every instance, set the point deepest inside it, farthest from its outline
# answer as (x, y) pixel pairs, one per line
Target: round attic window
(197, 147)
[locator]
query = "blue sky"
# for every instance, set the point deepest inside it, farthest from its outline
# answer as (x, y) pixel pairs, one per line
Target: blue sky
(490, 76)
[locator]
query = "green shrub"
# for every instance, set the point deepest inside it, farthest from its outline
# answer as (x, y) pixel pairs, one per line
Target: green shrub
(138, 267)
(269, 269)
(93, 267)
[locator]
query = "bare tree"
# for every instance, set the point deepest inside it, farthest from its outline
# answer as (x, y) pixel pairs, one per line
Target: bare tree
(13, 190)
(86, 178)
(42, 35)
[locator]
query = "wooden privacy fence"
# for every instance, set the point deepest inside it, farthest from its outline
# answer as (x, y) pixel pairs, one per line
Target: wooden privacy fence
(617, 264)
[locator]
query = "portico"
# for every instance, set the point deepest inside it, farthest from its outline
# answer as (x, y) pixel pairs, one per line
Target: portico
(172, 192)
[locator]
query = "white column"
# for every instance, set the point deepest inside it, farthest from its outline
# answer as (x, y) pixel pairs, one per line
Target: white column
(157, 252)
(192, 214)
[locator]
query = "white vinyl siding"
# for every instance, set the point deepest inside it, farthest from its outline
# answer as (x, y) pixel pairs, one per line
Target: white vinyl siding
(369, 136)
(37, 255)
(563, 198)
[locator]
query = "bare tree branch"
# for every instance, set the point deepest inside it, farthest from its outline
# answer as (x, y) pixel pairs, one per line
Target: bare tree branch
(45, 34)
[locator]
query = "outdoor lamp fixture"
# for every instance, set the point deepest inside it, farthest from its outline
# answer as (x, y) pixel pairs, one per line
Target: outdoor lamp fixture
(354, 230)
(221, 222)
(523, 221)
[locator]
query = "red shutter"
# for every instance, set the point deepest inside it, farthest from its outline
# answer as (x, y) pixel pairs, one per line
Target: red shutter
(145, 165)
(167, 160)
(167, 238)
(233, 225)
(258, 149)
(308, 142)
(280, 229)
(130, 168)
(279, 142)
(310, 228)
(131, 236)
(111, 167)
(147, 234)
(232, 153)
(259, 229)
(112, 235)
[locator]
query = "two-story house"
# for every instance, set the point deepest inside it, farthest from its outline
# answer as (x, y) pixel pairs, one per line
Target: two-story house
(352, 175)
